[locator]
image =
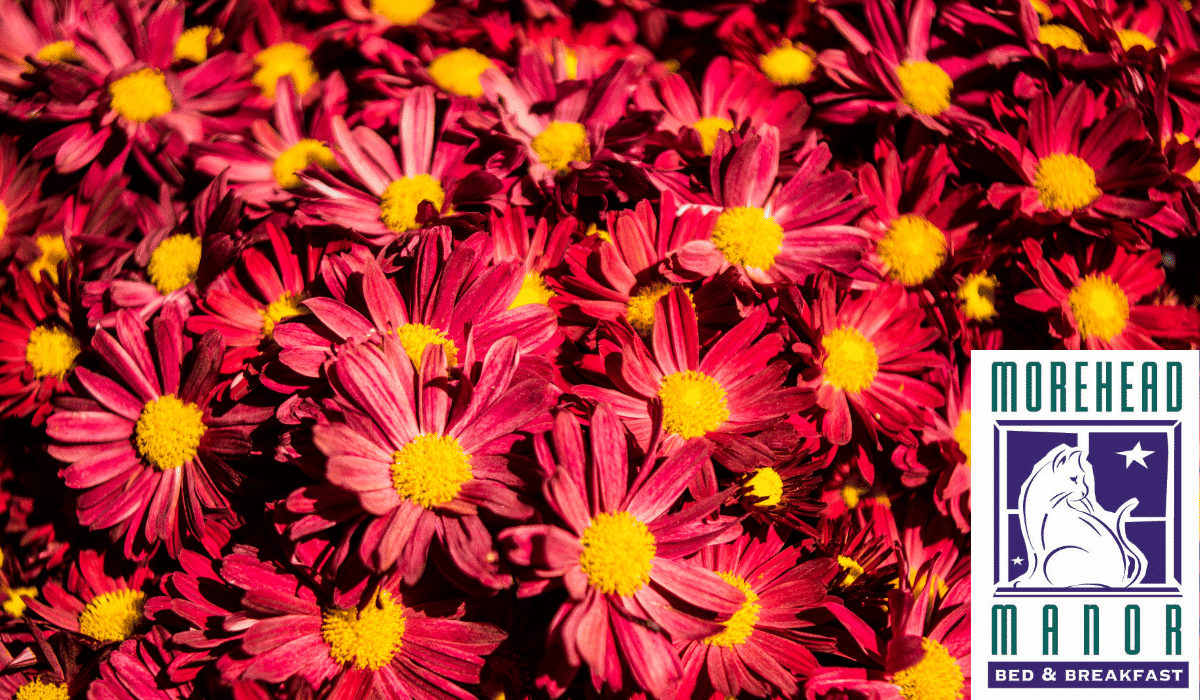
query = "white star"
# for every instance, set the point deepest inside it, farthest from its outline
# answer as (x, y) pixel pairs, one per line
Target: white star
(1137, 454)
(1018, 561)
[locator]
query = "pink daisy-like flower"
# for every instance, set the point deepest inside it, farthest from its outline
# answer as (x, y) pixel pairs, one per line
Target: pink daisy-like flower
(142, 443)
(38, 348)
(448, 297)
(386, 197)
(731, 96)
(382, 642)
(577, 147)
(768, 642)
(1091, 299)
(101, 608)
(892, 72)
(262, 289)
(930, 649)
(132, 89)
(423, 457)
(918, 223)
(46, 34)
(619, 552)
(1094, 181)
(772, 234)
(263, 167)
(865, 352)
(727, 397)
(624, 273)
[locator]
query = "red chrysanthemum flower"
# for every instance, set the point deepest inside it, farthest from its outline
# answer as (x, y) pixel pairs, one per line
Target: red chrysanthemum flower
(583, 146)
(618, 550)
(727, 397)
(143, 442)
(38, 348)
(262, 168)
(451, 298)
(1091, 298)
(732, 97)
(133, 89)
(383, 197)
(866, 352)
(262, 289)
(1085, 164)
(424, 456)
(772, 234)
(101, 608)
(893, 72)
(768, 642)
(918, 224)
(622, 273)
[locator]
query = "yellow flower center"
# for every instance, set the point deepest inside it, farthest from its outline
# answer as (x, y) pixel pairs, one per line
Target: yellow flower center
(962, 434)
(404, 13)
(936, 676)
(53, 251)
(747, 236)
(174, 263)
(1065, 181)
(306, 152)
(458, 71)
(560, 144)
(368, 638)
(284, 58)
(430, 470)
(693, 404)
(739, 627)
(978, 294)
(168, 432)
(640, 309)
(925, 86)
(1043, 10)
(788, 64)
(1058, 36)
(618, 553)
(285, 306)
(851, 495)
(415, 336)
(14, 605)
(533, 291)
(193, 43)
(51, 351)
(851, 568)
(37, 690)
(1100, 306)
(61, 51)
(398, 205)
(3, 219)
(850, 360)
(709, 128)
(141, 96)
(1132, 37)
(111, 617)
(767, 486)
(913, 248)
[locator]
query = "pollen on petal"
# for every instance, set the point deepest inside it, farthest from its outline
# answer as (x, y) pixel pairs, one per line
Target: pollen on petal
(913, 248)
(174, 263)
(788, 64)
(51, 351)
(457, 72)
(1065, 181)
(693, 404)
(978, 295)
(168, 432)
(747, 236)
(851, 362)
(366, 638)
(560, 144)
(430, 470)
(285, 58)
(1100, 306)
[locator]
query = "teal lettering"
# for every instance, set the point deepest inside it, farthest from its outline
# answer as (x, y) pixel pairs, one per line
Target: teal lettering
(1174, 387)
(1091, 630)
(1033, 386)
(1150, 386)
(1103, 386)
(1174, 629)
(1000, 385)
(1001, 614)
(1050, 630)
(1125, 387)
(1133, 630)
(1079, 387)
(1058, 386)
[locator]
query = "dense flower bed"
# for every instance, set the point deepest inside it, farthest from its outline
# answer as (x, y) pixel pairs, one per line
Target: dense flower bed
(611, 348)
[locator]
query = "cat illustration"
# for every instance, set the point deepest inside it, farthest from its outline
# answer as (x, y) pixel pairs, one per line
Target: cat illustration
(1071, 540)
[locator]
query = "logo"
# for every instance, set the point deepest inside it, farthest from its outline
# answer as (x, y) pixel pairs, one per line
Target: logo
(1085, 523)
